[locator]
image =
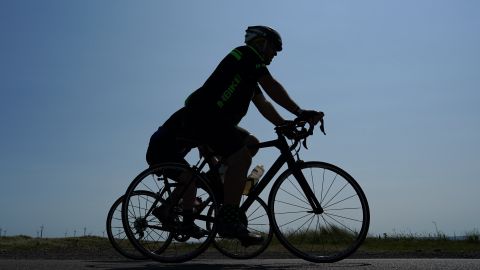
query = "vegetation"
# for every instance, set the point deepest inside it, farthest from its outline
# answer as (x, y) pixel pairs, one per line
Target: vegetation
(441, 245)
(374, 246)
(333, 236)
(473, 236)
(70, 247)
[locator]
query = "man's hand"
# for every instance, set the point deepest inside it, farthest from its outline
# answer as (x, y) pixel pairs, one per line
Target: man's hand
(291, 132)
(310, 116)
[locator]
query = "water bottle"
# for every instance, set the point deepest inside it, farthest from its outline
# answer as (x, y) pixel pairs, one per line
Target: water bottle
(253, 178)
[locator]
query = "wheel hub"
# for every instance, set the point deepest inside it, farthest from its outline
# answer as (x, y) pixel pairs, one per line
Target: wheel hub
(317, 211)
(140, 224)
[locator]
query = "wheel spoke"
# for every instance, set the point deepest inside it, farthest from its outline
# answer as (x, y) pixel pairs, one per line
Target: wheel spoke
(291, 204)
(328, 190)
(290, 222)
(333, 215)
(354, 195)
(346, 184)
(301, 193)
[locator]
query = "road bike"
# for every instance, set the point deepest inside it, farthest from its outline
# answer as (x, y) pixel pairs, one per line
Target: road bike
(315, 209)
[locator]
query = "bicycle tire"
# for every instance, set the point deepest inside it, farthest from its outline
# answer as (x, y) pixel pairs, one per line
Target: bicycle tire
(160, 180)
(119, 240)
(258, 221)
(338, 231)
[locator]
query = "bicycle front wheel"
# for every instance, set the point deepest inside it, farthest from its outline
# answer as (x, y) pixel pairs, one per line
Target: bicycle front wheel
(331, 234)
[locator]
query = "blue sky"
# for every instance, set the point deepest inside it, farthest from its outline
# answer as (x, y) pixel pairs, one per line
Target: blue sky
(85, 83)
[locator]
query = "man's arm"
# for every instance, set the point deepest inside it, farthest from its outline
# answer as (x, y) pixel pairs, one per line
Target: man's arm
(267, 109)
(278, 94)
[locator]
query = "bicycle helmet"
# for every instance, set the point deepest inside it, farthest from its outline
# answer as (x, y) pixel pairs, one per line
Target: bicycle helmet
(259, 31)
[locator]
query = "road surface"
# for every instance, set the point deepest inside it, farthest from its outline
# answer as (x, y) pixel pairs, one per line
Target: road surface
(284, 264)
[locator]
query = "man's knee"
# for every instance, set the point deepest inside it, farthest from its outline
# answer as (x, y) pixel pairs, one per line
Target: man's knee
(242, 156)
(251, 142)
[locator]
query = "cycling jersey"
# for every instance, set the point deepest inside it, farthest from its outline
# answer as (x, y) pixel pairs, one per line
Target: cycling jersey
(227, 93)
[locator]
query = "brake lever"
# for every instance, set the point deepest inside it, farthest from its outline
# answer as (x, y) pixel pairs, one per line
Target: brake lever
(309, 132)
(322, 126)
(305, 143)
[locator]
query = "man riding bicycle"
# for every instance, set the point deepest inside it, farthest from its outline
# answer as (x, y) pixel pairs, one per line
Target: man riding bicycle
(211, 115)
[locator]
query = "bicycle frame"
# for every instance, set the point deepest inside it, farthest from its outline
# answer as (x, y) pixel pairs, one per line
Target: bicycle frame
(285, 157)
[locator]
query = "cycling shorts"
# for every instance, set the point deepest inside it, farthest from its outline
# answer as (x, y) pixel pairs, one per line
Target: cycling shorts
(164, 144)
(221, 136)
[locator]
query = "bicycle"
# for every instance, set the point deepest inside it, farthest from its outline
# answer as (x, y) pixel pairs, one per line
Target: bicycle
(319, 222)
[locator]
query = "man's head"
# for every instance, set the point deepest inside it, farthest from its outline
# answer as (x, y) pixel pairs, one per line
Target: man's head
(265, 40)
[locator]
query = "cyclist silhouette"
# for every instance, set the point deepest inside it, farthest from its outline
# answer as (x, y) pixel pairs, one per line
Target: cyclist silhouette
(211, 115)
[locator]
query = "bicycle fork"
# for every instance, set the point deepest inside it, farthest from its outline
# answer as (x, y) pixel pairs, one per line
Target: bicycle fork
(307, 190)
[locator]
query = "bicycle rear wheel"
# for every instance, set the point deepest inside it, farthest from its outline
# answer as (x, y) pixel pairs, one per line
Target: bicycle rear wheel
(163, 241)
(116, 234)
(331, 235)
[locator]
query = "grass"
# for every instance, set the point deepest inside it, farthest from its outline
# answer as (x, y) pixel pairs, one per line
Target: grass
(23, 242)
(393, 245)
(333, 235)
(396, 245)
(40, 247)
(419, 245)
(473, 236)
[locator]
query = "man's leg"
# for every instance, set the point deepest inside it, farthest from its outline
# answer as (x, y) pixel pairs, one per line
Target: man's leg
(237, 170)
(187, 188)
(231, 224)
(187, 192)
